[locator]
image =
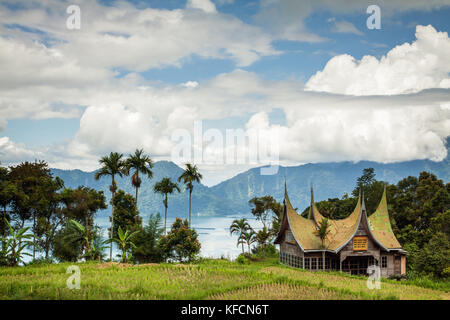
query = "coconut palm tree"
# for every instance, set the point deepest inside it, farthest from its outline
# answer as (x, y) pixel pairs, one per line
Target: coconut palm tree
(112, 165)
(239, 227)
(165, 187)
(249, 237)
(139, 163)
(189, 176)
(124, 242)
(322, 232)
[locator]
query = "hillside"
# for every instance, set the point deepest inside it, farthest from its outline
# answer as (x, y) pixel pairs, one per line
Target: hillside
(231, 196)
(204, 202)
(330, 180)
(208, 279)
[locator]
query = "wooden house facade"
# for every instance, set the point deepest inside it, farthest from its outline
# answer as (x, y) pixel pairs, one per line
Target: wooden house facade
(352, 244)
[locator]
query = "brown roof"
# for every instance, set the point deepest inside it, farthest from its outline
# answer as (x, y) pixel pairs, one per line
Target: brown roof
(341, 231)
(302, 228)
(380, 226)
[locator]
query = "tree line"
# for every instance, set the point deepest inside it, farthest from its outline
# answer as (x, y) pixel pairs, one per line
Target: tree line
(62, 219)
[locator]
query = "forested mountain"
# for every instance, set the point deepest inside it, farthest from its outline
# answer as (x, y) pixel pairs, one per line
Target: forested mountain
(231, 196)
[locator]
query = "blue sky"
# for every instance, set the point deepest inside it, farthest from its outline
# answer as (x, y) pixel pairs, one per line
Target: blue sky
(222, 62)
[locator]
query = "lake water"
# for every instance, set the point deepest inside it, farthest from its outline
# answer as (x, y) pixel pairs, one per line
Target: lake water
(213, 233)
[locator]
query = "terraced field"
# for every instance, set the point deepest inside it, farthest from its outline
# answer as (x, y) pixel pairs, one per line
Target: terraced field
(208, 279)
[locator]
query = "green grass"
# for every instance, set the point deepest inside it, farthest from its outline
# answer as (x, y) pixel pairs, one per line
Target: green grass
(206, 279)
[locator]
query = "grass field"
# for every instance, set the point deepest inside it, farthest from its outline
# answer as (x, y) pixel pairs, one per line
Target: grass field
(207, 279)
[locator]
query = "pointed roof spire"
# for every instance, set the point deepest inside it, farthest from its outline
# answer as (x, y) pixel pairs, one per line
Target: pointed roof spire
(311, 206)
(363, 204)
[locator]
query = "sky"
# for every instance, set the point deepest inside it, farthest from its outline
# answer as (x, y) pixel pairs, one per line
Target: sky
(309, 78)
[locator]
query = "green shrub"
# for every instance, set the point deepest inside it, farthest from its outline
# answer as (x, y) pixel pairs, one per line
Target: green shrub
(242, 260)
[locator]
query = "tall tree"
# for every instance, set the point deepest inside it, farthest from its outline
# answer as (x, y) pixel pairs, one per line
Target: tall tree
(262, 207)
(81, 205)
(239, 227)
(126, 214)
(112, 165)
(7, 191)
(34, 189)
(139, 163)
(189, 176)
(166, 187)
(50, 216)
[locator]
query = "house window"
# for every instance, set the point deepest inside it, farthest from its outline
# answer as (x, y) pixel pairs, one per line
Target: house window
(327, 263)
(320, 265)
(307, 263)
(384, 262)
(359, 243)
(313, 263)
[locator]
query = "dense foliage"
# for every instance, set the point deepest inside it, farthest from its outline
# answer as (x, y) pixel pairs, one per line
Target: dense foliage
(62, 219)
(181, 243)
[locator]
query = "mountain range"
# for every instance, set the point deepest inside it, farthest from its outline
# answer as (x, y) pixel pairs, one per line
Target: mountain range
(230, 197)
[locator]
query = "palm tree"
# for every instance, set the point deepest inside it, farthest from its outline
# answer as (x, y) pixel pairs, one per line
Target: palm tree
(249, 237)
(140, 163)
(189, 176)
(322, 232)
(239, 227)
(124, 242)
(165, 187)
(112, 165)
(262, 237)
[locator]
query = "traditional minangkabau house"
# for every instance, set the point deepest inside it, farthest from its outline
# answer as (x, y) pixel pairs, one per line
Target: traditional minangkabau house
(353, 243)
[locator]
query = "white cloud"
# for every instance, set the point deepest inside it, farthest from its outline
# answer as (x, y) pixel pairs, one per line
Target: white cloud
(407, 68)
(72, 75)
(12, 152)
(205, 5)
(124, 36)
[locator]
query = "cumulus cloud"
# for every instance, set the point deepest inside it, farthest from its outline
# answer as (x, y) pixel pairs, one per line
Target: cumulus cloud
(410, 67)
(75, 74)
(11, 152)
(124, 36)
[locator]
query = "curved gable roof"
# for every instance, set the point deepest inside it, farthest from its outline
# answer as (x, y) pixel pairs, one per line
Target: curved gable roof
(303, 229)
(342, 230)
(380, 225)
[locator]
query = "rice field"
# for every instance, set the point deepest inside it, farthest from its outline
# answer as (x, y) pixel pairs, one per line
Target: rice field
(207, 279)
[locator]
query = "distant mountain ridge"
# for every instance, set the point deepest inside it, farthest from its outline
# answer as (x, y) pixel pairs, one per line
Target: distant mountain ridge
(231, 196)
